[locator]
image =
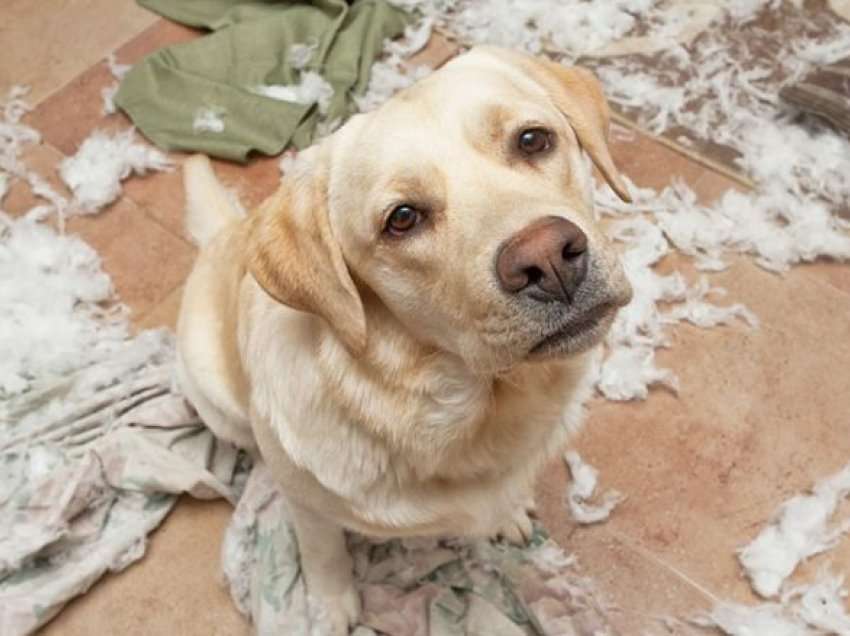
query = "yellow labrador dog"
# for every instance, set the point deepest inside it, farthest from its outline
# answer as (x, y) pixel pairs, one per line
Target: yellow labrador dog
(401, 328)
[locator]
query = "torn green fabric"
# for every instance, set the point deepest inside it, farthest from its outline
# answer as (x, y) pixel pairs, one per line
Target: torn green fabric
(249, 47)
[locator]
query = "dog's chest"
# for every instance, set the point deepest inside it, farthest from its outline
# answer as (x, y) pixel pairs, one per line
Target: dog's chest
(457, 427)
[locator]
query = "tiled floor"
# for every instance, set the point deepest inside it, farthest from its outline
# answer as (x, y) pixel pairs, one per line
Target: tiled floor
(761, 413)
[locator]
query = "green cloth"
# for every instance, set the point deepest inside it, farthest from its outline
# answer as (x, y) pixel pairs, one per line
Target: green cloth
(248, 47)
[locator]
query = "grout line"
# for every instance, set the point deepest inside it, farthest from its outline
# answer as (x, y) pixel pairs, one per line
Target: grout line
(136, 321)
(686, 152)
(100, 60)
(151, 217)
(647, 554)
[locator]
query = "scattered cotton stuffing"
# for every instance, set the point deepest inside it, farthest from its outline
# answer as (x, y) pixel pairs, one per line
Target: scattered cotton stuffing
(108, 93)
(326, 127)
(390, 73)
(799, 531)
(300, 54)
(629, 370)
(627, 373)
(582, 489)
(209, 119)
(14, 138)
(95, 172)
(817, 609)
(762, 620)
(55, 305)
(551, 558)
(287, 162)
(823, 605)
(697, 311)
(312, 89)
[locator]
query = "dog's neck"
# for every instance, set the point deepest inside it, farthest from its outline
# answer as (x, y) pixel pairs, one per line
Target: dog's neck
(456, 416)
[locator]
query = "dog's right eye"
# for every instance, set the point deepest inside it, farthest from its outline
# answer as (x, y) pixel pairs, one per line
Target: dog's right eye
(403, 219)
(533, 141)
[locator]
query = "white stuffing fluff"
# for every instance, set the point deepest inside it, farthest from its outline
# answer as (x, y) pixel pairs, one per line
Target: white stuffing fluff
(628, 372)
(629, 369)
(574, 28)
(209, 119)
(54, 305)
(287, 162)
(551, 558)
(799, 531)
(312, 89)
(695, 310)
(822, 605)
(95, 173)
(808, 610)
(762, 620)
(14, 137)
(571, 28)
(389, 74)
(300, 54)
(58, 312)
(108, 93)
(582, 490)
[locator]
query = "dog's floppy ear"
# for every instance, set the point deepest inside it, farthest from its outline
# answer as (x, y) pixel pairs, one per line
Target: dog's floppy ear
(295, 257)
(578, 94)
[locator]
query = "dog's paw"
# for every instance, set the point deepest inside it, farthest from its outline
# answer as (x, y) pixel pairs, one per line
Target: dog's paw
(337, 614)
(519, 528)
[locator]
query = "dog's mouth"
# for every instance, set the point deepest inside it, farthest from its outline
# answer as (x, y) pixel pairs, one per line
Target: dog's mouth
(577, 335)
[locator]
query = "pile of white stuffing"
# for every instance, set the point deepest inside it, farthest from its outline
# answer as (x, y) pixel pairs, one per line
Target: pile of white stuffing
(57, 307)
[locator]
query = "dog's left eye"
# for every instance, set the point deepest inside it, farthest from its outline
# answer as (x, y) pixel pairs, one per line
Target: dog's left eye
(403, 219)
(533, 141)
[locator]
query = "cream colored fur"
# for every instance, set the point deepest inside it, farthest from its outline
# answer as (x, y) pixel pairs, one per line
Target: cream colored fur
(387, 382)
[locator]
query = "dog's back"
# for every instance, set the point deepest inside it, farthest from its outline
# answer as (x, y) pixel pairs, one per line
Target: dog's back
(208, 369)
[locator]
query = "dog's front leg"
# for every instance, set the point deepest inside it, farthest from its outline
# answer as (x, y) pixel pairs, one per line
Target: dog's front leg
(327, 568)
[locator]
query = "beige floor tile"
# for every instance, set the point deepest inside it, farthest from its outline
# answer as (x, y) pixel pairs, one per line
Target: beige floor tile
(163, 315)
(81, 97)
(71, 36)
(761, 415)
(252, 182)
(710, 186)
(648, 163)
(161, 33)
(44, 160)
(162, 195)
(175, 589)
(437, 52)
(830, 272)
(146, 262)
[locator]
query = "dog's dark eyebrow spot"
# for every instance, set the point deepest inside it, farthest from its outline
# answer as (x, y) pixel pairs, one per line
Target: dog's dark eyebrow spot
(496, 118)
(487, 132)
(425, 186)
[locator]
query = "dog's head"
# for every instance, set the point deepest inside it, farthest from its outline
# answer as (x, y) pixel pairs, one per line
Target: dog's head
(464, 206)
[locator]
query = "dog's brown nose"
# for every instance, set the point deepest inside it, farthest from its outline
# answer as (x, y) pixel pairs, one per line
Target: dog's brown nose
(548, 259)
